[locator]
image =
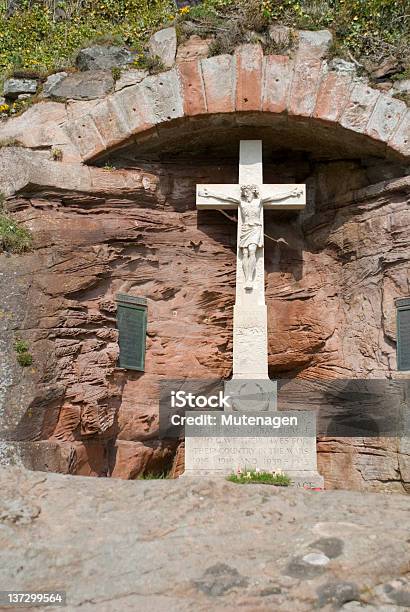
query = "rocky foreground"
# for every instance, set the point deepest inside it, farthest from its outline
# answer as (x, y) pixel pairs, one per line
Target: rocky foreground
(202, 544)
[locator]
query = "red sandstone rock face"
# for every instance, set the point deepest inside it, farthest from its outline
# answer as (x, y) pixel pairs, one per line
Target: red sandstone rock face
(330, 290)
(330, 283)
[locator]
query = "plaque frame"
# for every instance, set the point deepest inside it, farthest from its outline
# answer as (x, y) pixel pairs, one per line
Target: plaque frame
(403, 361)
(139, 306)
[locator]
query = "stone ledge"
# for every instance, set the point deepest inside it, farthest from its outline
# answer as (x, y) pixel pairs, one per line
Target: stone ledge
(383, 188)
(22, 169)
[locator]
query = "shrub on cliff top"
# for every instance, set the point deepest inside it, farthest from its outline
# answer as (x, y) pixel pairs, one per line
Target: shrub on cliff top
(44, 35)
(372, 28)
(33, 38)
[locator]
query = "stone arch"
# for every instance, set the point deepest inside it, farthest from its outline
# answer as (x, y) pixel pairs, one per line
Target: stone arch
(303, 92)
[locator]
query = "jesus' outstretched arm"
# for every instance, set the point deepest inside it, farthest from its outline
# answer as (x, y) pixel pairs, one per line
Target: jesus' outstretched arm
(205, 193)
(291, 193)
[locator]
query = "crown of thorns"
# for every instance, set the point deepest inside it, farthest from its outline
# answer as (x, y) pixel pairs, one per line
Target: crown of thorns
(253, 188)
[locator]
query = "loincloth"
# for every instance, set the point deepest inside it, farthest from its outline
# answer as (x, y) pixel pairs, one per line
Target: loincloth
(251, 234)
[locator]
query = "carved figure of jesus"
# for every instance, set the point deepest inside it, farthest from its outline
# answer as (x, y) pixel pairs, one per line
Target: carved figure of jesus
(251, 237)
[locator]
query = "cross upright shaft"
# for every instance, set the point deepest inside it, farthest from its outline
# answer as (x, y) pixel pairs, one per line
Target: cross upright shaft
(250, 344)
(250, 324)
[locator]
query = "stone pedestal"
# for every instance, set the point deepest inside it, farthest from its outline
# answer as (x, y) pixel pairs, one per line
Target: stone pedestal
(230, 446)
(250, 389)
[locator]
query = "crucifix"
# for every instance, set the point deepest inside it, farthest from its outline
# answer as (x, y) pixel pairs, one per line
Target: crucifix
(251, 197)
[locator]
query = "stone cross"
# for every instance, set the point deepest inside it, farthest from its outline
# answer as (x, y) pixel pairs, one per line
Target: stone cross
(250, 336)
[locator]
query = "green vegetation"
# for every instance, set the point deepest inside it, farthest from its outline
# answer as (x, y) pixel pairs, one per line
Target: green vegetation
(21, 346)
(258, 477)
(403, 76)
(10, 142)
(13, 237)
(153, 476)
(45, 35)
(24, 358)
(153, 64)
(56, 155)
(34, 39)
(15, 108)
(371, 28)
(116, 73)
(403, 96)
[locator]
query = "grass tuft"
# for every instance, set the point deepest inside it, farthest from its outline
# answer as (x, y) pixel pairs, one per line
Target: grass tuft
(152, 63)
(154, 476)
(403, 96)
(24, 359)
(21, 346)
(259, 477)
(13, 237)
(56, 154)
(116, 73)
(10, 142)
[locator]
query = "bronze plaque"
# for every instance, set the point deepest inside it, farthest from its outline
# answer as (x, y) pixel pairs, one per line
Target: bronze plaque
(132, 326)
(403, 334)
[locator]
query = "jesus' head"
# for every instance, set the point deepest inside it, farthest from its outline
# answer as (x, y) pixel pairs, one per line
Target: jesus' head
(249, 192)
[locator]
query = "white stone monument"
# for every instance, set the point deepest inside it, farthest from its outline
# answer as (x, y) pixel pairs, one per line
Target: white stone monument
(251, 197)
(250, 385)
